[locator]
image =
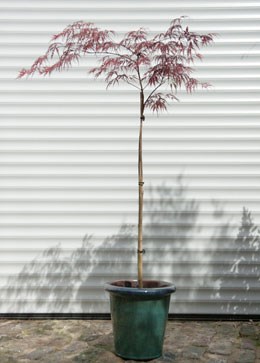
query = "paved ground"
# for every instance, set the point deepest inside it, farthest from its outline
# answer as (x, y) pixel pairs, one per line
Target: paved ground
(78, 341)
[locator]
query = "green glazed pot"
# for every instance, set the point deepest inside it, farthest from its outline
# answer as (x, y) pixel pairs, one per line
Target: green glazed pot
(139, 317)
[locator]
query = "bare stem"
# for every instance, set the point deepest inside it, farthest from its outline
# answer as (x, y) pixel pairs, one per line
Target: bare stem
(141, 192)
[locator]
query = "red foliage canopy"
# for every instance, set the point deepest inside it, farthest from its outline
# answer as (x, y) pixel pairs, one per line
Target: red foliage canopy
(144, 63)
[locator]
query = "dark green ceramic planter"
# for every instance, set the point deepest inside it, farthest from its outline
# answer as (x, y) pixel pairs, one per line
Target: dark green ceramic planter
(139, 317)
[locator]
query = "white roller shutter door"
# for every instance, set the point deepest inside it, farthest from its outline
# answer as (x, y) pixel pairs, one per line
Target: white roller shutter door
(68, 173)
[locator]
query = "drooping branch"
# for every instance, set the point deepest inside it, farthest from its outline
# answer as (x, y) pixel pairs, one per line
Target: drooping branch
(146, 103)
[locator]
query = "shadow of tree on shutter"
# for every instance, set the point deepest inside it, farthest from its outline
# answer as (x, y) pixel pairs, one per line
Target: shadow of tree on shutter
(239, 284)
(170, 218)
(72, 281)
(60, 281)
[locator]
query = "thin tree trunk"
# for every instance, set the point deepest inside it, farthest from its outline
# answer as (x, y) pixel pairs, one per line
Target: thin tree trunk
(140, 250)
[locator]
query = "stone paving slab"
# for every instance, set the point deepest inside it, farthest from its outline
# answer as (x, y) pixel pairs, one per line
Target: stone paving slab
(78, 341)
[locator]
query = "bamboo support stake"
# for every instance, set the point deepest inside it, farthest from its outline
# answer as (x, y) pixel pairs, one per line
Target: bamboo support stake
(141, 192)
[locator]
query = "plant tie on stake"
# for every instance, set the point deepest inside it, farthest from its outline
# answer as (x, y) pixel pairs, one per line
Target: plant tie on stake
(142, 251)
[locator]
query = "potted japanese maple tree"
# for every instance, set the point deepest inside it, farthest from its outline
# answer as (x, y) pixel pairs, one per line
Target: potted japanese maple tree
(156, 66)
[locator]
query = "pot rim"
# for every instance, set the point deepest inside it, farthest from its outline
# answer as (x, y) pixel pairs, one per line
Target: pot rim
(164, 288)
